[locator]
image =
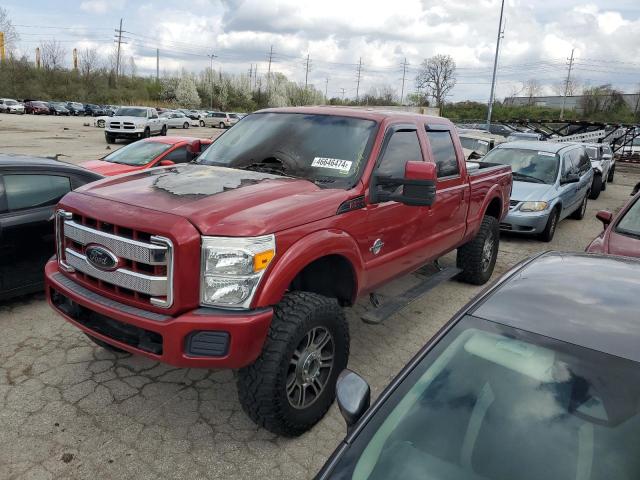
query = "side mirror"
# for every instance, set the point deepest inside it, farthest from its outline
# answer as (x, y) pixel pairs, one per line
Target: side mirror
(353, 395)
(605, 217)
(165, 163)
(570, 178)
(419, 185)
(636, 189)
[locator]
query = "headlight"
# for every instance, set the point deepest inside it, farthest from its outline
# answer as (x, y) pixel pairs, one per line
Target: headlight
(232, 268)
(534, 206)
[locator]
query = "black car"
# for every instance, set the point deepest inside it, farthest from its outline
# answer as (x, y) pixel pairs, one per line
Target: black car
(58, 108)
(75, 108)
(93, 110)
(537, 378)
(30, 187)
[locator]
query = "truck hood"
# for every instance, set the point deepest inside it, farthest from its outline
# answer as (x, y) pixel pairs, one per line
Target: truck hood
(108, 168)
(128, 119)
(223, 201)
(529, 191)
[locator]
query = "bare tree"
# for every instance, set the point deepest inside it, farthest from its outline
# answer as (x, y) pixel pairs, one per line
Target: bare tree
(532, 88)
(88, 59)
(10, 34)
(573, 87)
(438, 76)
(52, 54)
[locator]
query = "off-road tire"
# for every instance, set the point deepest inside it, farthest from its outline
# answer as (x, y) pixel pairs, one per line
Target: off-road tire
(596, 187)
(262, 386)
(582, 209)
(470, 256)
(551, 227)
(109, 138)
(105, 345)
(612, 172)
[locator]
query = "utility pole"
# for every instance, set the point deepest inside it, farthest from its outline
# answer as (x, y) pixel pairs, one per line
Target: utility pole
(306, 73)
(495, 68)
(38, 58)
(255, 77)
(343, 90)
(211, 57)
(326, 86)
(404, 74)
(250, 76)
(269, 71)
(75, 59)
(359, 74)
(119, 31)
(1, 46)
(566, 85)
(157, 65)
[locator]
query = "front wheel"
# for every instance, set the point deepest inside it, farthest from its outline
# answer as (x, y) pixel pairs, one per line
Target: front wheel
(163, 132)
(147, 132)
(109, 138)
(477, 258)
(185, 125)
(552, 223)
(100, 123)
(611, 173)
(292, 384)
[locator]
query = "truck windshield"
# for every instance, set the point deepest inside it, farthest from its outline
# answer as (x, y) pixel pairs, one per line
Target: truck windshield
(536, 406)
(131, 112)
(326, 149)
(137, 153)
(527, 165)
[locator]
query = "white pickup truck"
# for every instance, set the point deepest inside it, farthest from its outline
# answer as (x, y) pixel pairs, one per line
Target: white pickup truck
(134, 123)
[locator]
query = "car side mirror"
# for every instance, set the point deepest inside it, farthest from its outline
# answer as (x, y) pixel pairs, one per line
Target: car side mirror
(354, 396)
(636, 189)
(570, 178)
(605, 217)
(418, 185)
(166, 163)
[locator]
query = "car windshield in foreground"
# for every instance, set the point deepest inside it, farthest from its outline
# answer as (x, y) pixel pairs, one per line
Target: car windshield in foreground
(475, 144)
(630, 223)
(490, 402)
(527, 165)
(131, 112)
(326, 149)
(137, 153)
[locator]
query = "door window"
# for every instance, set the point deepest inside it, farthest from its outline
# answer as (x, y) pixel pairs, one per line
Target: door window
(32, 191)
(444, 153)
(179, 155)
(403, 146)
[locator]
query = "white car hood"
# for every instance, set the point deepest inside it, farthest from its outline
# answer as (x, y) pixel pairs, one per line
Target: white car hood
(129, 119)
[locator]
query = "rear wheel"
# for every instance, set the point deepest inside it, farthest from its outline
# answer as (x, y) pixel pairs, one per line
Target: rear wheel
(201, 123)
(185, 125)
(596, 187)
(163, 132)
(105, 345)
(582, 209)
(292, 384)
(477, 258)
(550, 228)
(611, 173)
(147, 132)
(221, 125)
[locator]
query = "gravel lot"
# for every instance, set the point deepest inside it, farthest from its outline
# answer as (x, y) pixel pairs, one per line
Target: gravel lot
(71, 410)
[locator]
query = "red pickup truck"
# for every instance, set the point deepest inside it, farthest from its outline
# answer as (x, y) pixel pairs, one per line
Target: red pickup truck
(244, 258)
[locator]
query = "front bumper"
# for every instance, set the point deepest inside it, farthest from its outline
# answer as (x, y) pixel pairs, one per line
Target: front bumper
(128, 133)
(525, 222)
(201, 338)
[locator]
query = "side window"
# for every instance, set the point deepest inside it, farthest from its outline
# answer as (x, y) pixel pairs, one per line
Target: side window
(567, 167)
(153, 114)
(32, 191)
(585, 163)
(403, 146)
(444, 153)
(179, 155)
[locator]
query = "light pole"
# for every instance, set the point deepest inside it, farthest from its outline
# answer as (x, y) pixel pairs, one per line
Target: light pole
(211, 57)
(495, 68)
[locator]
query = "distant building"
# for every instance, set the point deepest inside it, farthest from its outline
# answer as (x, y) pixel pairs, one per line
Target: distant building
(572, 103)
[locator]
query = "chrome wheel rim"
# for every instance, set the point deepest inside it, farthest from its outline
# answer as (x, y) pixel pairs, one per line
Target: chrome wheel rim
(310, 367)
(487, 253)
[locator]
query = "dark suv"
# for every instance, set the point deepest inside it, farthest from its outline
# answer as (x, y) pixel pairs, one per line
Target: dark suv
(92, 110)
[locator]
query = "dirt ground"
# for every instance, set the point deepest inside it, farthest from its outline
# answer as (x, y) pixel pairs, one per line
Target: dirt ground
(69, 409)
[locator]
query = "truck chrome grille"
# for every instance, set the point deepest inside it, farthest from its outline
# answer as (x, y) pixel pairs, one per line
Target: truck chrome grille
(144, 266)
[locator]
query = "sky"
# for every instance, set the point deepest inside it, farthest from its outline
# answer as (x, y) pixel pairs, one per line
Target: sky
(337, 34)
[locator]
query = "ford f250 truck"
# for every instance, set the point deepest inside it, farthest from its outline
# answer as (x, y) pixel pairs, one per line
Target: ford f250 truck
(244, 258)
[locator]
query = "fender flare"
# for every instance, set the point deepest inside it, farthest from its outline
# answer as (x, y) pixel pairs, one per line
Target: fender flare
(303, 252)
(494, 192)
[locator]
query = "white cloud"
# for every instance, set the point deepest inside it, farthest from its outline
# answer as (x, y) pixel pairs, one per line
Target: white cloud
(101, 6)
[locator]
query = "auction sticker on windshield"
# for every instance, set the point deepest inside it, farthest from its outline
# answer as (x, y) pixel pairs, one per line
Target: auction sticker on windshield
(546, 154)
(332, 163)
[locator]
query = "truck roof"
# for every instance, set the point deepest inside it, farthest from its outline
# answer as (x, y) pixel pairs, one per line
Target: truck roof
(544, 146)
(355, 112)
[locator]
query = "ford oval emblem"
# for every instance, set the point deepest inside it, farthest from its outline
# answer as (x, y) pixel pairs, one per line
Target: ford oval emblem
(101, 258)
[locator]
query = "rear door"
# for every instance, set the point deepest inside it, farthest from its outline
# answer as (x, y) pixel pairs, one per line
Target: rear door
(569, 191)
(26, 227)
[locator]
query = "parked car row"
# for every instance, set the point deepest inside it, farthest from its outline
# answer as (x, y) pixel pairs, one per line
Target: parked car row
(41, 107)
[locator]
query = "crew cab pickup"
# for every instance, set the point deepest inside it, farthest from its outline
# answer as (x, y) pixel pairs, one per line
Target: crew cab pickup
(133, 123)
(244, 258)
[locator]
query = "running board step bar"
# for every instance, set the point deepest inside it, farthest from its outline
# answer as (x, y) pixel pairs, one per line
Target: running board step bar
(380, 314)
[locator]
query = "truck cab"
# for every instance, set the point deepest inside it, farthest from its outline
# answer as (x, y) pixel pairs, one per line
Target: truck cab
(244, 258)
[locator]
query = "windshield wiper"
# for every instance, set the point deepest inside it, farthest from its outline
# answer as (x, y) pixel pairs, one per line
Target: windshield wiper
(267, 168)
(528, 177)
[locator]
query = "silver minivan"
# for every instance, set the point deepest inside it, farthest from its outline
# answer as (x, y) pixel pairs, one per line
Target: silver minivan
(220, 119)
(551, 181)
